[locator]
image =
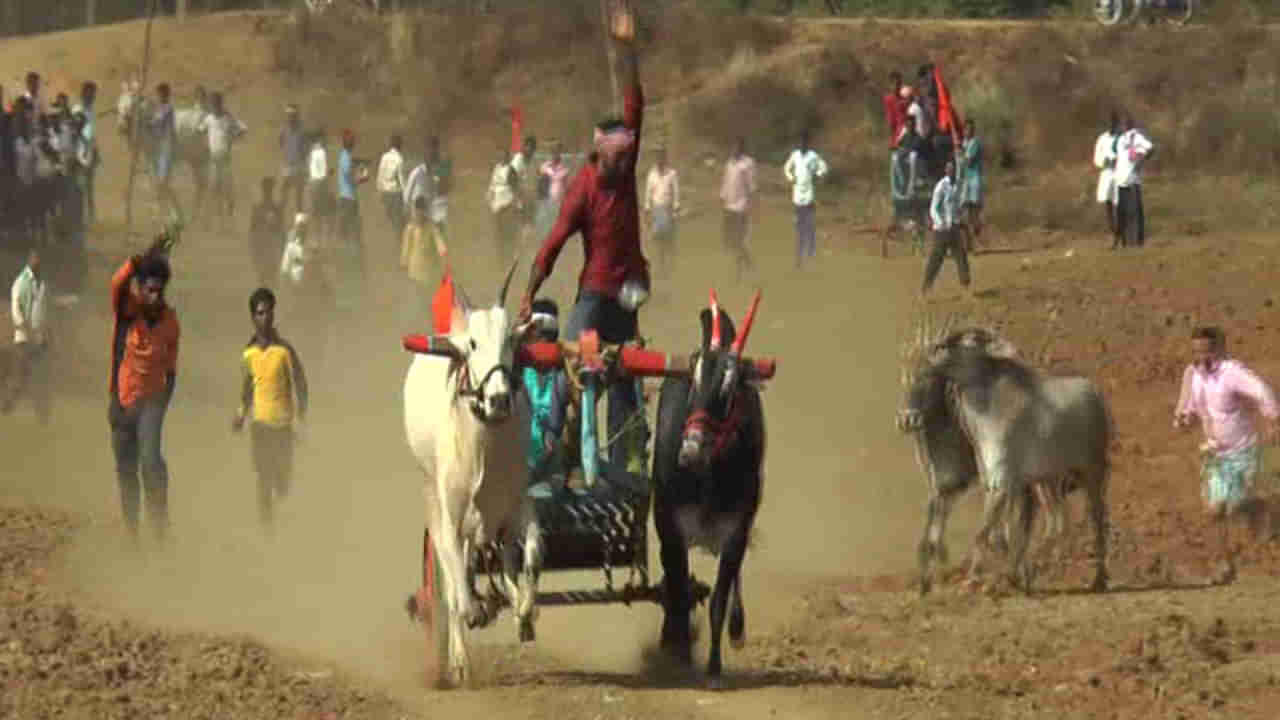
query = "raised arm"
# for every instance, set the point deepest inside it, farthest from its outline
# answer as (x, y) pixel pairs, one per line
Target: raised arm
(626, 64)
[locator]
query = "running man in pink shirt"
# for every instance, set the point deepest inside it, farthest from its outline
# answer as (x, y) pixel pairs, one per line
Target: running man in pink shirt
(1218, 390)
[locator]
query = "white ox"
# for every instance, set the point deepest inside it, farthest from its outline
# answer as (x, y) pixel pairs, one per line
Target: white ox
(470, 437)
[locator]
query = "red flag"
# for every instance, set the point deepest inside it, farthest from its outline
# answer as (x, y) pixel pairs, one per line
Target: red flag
(442, 304)
(517, 127)
(948, 118)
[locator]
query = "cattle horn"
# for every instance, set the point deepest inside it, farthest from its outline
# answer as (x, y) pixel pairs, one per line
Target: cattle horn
(715, 321)
(502, 295)
(740, 341)
(460, 298)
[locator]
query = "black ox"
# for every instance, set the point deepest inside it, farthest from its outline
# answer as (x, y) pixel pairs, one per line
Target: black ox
(707, 471)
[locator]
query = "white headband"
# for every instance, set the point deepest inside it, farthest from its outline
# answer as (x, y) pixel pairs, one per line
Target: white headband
(544, 321)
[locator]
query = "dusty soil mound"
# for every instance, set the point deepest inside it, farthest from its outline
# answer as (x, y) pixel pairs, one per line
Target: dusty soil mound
(61, 658)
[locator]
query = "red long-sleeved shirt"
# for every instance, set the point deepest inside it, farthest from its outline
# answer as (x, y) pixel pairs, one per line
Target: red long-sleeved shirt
(895, 116)
(607, 217)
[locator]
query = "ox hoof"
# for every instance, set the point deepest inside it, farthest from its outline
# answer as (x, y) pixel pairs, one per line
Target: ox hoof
(527, 633)
(716, 683)
(739, 642)
(1099, 584)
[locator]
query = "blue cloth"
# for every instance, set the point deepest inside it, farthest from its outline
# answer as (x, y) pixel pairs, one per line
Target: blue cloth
(90, 124)
(971, 184)
(1228, 477)
(541, 388)
(346, 184)
(615, 324)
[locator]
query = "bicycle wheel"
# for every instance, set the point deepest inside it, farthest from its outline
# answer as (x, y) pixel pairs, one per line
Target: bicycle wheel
(1109, 12)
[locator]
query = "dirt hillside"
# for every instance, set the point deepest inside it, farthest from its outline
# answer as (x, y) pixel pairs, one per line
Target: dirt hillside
(227, 624)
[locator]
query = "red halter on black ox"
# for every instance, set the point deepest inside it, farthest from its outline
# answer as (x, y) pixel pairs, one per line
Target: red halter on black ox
(716, 413)
(703, 425)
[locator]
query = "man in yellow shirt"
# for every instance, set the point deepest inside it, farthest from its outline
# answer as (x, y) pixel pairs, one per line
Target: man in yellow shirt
(274, 391)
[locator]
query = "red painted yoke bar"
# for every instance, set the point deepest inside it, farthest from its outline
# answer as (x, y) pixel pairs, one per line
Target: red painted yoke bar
(635, 361)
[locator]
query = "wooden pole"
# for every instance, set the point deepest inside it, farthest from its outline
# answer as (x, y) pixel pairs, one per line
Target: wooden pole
(134, 123)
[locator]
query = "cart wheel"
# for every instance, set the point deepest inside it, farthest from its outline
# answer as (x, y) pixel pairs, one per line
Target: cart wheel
(435, 615)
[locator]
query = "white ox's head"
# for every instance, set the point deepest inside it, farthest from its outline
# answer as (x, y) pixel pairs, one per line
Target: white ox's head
(483, 343)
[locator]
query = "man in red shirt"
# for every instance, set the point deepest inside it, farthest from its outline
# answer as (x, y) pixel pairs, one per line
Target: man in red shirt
(144, 362)
(602, 204)
(895, 108)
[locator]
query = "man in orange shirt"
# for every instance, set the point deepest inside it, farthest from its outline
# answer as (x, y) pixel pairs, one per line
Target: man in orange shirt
(144, 361)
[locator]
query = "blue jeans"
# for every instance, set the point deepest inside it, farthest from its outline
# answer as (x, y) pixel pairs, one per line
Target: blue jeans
(806, 232)
(135, 440)
(615, 324)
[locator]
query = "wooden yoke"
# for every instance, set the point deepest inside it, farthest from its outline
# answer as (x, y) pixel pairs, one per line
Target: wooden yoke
(592, 356)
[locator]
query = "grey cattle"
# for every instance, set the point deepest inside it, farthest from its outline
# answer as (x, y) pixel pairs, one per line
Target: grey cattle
(1028, 435)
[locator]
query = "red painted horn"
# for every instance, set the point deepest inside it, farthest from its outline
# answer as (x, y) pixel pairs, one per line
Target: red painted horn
(740, 341)
(431, 345)
(715, 322)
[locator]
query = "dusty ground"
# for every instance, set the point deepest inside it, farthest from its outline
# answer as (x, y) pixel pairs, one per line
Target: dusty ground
(227, 624)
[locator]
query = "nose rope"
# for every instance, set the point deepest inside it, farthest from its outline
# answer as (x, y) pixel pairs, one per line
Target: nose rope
(721, 431)
(477, 390)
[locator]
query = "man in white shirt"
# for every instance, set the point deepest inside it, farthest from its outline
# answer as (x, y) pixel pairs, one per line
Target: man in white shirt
(801, 169)
(391, 182)
(27, 300)
(737, 189)
(942, 215)
(1133, 149)
(501, 196)
(319, 197)
(661, 205)
(193, 144)
(522, 163)
(223, 129)
(1104, 158)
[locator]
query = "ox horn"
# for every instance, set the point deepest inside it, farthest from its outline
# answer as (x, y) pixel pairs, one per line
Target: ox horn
(740, 341)
(511, 271)
(715, 321)
(460, 298)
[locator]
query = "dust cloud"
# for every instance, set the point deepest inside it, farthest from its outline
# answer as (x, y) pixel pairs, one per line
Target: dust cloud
(842, 494)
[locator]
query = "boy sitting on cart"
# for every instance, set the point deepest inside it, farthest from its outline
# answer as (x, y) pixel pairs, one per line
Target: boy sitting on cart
(554, 458)
(549, 403)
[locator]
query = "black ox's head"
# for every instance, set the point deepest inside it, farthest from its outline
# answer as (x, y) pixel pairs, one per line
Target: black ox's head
(930, 366)
(718, 377)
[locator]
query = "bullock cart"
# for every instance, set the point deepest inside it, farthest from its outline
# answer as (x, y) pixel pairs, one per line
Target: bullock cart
(604, 527)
